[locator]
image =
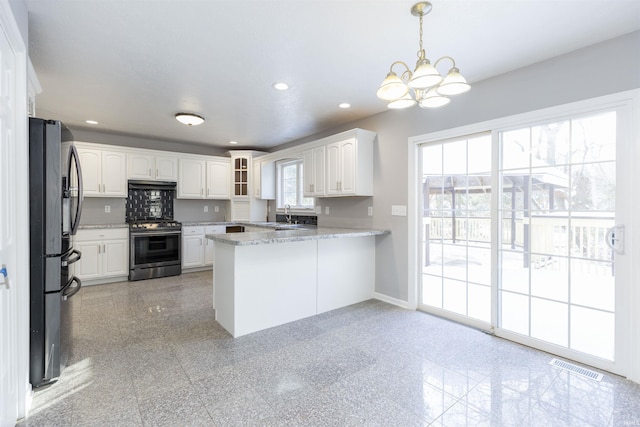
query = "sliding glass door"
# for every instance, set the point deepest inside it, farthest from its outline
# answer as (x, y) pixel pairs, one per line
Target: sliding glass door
(521, 232)
(456, 227)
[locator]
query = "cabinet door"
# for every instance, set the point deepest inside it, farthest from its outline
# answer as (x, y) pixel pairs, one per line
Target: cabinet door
(218, 178)
(318, 171)
(333, 168)
(91, 164)
(257, 175)
(192, 179)
(90, 264)
(166, 168)
(348, 167)
(114, 176)
(140, 166)
(208, 252)
(115, 261)
(192, 251)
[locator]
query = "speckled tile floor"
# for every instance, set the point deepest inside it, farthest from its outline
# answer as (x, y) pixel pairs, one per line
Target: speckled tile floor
(151, 354)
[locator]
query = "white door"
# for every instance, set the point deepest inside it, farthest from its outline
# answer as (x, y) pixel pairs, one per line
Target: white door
(114, 182)
(192, 251)
(115, 260)
(8, 238)
(140, 166)
(348, 165)
(563, 191)
(91, 163)
(218, 180)
(456, 229)
(166, 168)
(191, 182)
(333, 168)
(90, 265)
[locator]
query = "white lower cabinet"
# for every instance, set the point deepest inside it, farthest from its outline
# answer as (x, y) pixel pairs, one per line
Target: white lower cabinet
(197, 250)
(192, 246)
(105, 254)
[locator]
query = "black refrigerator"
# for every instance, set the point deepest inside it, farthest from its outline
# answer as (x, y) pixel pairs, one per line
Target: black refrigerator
(55, 205)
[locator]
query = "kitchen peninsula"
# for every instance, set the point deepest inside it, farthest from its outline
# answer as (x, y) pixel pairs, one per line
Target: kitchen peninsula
(269, 278)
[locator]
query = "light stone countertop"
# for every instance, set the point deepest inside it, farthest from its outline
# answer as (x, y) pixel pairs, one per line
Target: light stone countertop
(96, 226)
(293, 235)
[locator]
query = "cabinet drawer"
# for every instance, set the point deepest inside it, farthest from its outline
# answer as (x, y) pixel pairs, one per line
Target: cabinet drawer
(192, 231)
(101, 234)
(215, 229)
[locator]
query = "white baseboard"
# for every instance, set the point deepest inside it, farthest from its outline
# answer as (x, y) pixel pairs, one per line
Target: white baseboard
(391, 300)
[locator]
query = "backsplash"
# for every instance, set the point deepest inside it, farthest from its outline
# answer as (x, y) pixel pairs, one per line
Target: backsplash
(149, 205)
(298, 219)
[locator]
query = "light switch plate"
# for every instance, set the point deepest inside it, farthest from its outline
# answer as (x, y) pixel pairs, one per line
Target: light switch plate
(206, 208)
(326, 210)
(370, 211)
(107, 209)
(399, 210)
(216, 208)
(318, 210)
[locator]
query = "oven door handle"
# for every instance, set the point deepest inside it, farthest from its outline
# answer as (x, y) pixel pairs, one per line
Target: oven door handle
(155, 233)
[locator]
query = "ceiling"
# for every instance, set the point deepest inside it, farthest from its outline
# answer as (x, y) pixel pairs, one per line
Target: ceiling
(132, 64)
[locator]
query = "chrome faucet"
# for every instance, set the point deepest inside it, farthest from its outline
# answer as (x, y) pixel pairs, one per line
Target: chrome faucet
(287, 212)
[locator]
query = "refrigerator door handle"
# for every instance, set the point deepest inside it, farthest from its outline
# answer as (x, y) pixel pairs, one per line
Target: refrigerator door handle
(73, 155)
(68, 260)
(66, 294)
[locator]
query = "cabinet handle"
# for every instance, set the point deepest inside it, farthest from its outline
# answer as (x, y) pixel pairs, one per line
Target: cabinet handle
(311, 187)
(157, 172)
(99, 249)
(149, 172)
(201, 191)
(104, 249)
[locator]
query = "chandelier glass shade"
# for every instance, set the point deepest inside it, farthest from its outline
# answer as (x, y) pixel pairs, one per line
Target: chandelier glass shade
(189, 119)
(425, 86)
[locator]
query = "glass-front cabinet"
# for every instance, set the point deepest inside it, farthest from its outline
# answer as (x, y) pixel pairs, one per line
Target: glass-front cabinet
(241, 176)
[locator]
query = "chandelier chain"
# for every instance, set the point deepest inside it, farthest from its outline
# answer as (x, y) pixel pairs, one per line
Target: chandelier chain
(421, 49)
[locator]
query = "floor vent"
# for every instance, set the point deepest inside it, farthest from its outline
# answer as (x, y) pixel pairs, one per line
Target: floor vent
(583, 372)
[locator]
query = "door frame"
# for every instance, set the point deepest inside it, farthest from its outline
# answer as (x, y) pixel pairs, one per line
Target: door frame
(21, 197)
(627, 297)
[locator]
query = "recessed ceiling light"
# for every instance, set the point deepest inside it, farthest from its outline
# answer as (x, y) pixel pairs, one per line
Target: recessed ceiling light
(91, 122)
(233, 142)
(344, 105)
(280, 86)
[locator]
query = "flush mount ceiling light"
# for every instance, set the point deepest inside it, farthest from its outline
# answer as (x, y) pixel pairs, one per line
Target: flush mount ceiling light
(280, 86)
(189, 119)
(430, 89)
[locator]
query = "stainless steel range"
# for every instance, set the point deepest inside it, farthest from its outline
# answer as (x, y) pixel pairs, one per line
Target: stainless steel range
(154, 236)
(155, 249)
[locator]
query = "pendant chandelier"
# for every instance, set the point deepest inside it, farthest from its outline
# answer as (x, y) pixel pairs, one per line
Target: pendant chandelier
(429, 88)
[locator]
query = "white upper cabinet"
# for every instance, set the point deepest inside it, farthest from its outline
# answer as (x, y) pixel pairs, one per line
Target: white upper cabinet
(339, 165)
(204, 178)
(166, 168)
(142, 165)
(191, 180)
(313, 167)
(218, 179)
(103, 172)
(264, 179)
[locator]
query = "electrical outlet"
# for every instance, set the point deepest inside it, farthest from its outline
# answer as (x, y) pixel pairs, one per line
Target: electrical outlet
(216, 208)
(370, 211)
(107, 209)
(318, 210)
(326, 210)
(206, 208)
(399, 210)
